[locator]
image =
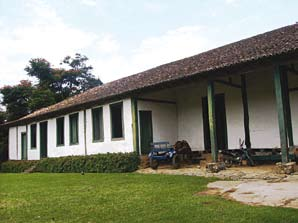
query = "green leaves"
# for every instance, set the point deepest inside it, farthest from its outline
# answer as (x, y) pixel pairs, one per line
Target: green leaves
(100, 163)
(54, 84)
(37, 99)
(16, 98)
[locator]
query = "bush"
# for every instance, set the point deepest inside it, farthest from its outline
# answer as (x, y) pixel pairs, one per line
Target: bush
(100, 163)
(16, 166)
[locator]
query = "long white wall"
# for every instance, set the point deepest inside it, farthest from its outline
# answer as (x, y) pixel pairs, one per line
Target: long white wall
(107, 145)
(180, 121)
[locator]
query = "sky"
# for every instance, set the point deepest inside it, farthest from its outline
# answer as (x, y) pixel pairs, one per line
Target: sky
(123, 37)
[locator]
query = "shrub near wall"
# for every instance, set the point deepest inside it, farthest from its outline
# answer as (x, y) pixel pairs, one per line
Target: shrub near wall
(100, 163)
(16, 166)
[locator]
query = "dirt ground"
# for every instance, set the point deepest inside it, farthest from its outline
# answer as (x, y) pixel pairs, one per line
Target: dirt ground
(258, 192)
(258, 185)
(264, 172)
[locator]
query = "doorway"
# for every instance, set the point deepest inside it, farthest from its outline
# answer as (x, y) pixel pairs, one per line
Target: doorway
(221, 123)
(146, 131)
(43, 139)
(24, 145)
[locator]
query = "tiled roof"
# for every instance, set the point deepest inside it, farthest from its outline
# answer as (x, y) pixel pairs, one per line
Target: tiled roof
(278, 42)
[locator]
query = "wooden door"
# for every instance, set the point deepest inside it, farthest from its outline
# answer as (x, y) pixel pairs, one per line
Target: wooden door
(24, 145)
(221, 123)
(43, 139)
(146, 131)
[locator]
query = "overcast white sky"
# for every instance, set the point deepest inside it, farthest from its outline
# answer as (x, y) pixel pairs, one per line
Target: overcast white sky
(128, 36)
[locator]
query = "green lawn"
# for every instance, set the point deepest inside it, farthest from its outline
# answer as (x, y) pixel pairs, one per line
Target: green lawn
(122, 198)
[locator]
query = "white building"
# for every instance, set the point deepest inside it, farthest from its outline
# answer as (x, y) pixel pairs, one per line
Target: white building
(247, 90)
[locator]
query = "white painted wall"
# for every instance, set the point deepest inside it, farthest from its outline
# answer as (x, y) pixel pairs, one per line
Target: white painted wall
(108, 145)
(164, 120)
(15, 142)
(293, 82)
(67, 149)
(190, 115)
(264, 131)
(12, 144)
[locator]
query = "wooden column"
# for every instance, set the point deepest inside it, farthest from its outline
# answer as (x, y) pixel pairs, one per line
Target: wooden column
(245, 111)
(135, 126)
(212, 120)
(287, 106)
(279, 93)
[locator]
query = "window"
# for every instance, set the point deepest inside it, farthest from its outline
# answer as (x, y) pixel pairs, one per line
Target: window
(74, 128)
(60, 131)
(97, 124)
(117, 120)
(33, 136)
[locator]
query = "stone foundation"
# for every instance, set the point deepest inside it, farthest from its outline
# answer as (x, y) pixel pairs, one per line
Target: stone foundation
(286, 168)
(215, 167)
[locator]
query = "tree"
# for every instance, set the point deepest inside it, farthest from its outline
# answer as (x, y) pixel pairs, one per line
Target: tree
(16, 99)
(81, 73)
(41, 69)
(37, 99)
(63, 82)
(53, 84)
(3, 138)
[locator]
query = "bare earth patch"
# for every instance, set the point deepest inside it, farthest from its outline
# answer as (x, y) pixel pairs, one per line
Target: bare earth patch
(258, 192)
(258, 185)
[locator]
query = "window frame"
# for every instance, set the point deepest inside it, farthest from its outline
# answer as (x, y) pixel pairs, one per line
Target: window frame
(70, 129)
(122, 121)
(101, 124)
(33, 147)
(57, 120)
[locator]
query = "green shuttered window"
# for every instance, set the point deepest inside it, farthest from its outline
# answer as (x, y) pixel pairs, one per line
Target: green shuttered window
(33, 136)
(74, 128)
(60, 131)
(116, 111)
(97, 124)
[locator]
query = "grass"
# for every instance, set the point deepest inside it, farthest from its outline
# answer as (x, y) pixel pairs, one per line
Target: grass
(122, 198)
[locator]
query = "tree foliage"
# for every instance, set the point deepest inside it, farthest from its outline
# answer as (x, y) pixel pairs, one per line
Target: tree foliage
(3, 138)
(53, 85)
(63, 82)
(16, 99)
(41, 98)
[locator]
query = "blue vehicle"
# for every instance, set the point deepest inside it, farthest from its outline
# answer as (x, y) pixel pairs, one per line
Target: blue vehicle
(162, 152)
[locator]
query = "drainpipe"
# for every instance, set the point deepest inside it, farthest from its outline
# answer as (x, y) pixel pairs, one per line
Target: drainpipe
(85, 143)
(17, 142)
(27, 142)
